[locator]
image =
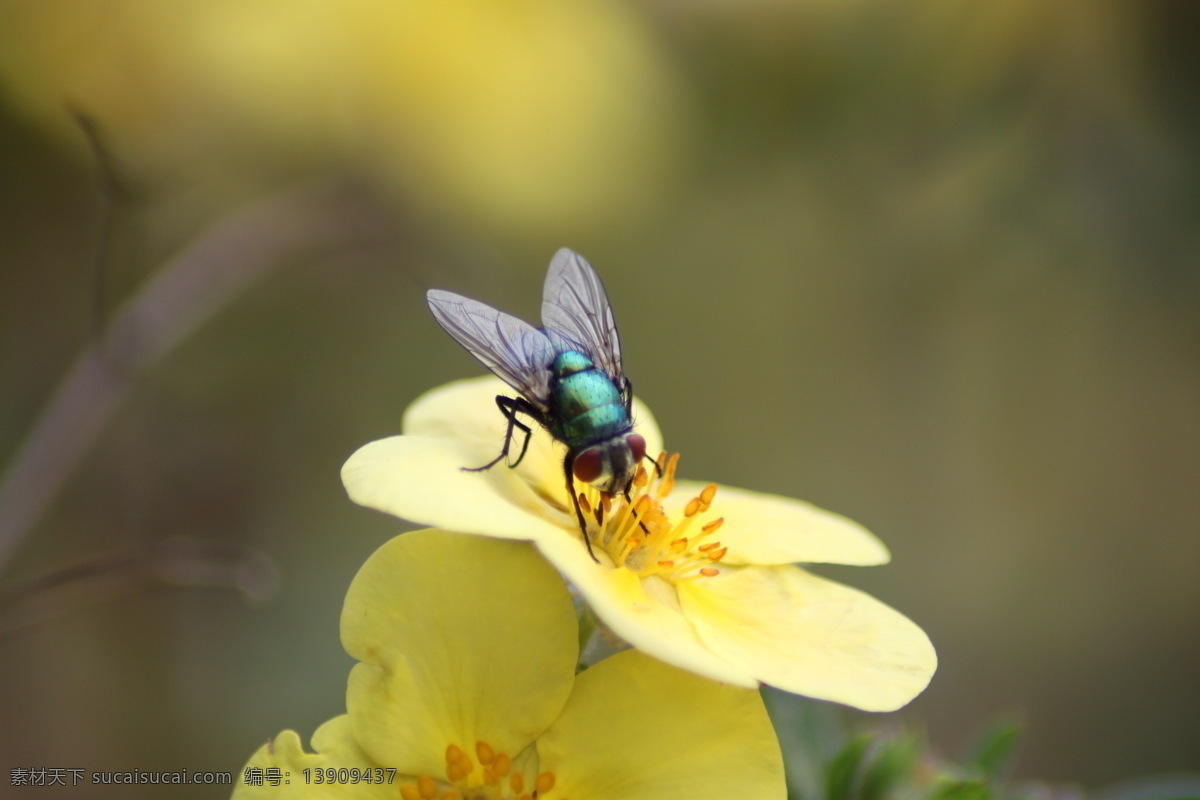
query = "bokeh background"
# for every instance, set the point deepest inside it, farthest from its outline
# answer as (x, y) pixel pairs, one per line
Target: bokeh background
(931, 264)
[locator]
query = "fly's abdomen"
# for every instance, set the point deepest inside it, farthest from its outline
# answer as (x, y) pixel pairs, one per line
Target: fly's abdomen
(588, 405)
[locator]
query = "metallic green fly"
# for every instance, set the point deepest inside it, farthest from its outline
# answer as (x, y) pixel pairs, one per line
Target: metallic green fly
(567, 375)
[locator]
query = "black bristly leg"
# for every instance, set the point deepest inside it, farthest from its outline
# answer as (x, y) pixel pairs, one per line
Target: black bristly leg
(510, 407)
(657, 468)
(568, 470)
(629, 502)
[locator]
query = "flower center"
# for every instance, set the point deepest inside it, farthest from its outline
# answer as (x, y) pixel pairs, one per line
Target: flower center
(639, 535)
(489, 776)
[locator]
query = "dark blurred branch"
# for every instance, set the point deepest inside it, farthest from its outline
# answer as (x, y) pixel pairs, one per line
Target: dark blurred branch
(172, 563)
(116, 194)
(242, 249)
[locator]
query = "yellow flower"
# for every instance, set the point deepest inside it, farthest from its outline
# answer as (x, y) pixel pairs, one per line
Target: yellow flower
(700, 576)
(466, 688)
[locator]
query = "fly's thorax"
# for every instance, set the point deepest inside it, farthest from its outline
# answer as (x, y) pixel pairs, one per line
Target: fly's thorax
(568, 362)
(586, 406)
(610, 465)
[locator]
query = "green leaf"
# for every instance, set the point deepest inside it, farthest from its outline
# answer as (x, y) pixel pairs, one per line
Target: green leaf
(995, 750)
(889, 767)
(841, 778)
(962, 790)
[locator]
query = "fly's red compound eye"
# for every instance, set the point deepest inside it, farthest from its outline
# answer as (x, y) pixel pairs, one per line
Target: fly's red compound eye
(637, 446)
(589, 465)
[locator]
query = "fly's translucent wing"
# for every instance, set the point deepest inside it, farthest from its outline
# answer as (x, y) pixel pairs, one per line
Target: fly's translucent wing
(575, 305)
(518, 353)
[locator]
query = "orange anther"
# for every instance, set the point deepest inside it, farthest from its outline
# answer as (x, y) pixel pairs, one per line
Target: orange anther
(712, 526)
(485, 753)
(544, 783)
(672, 463)
(710, 573)
(455, 772)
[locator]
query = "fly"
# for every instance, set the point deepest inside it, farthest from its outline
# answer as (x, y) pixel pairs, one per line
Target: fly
(567, 375)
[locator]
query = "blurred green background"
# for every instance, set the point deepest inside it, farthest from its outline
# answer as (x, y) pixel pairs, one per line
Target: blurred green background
(932, 265)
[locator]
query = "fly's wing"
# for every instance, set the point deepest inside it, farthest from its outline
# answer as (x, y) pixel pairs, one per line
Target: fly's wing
(575, 306)
(518, 353)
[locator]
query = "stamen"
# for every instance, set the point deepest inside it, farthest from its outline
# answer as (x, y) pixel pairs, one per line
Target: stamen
(544, 783)
(485, 753)
(640, 478)
(516, 782)
(667, 483)
(457, 770)
(426, 787)
(639, 535)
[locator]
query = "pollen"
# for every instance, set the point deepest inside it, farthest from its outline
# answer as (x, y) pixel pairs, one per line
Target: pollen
(491, 775)
(639, 534)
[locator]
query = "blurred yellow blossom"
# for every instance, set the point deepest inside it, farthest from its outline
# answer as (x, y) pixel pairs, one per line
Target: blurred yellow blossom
(523, 113)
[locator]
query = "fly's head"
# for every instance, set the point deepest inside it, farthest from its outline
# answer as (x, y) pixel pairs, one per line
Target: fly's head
(610, 465)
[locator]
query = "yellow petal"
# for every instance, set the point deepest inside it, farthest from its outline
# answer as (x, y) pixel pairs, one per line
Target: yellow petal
(644, 613)
(419, 478)
(635, 728)
(811, 636)
(461, 639)
(768, 529)
(334, 748)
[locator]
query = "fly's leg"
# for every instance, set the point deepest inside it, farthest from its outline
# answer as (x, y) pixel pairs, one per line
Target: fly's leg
(657, 468)
(510, 407)
(568, 466)
(632, 510)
